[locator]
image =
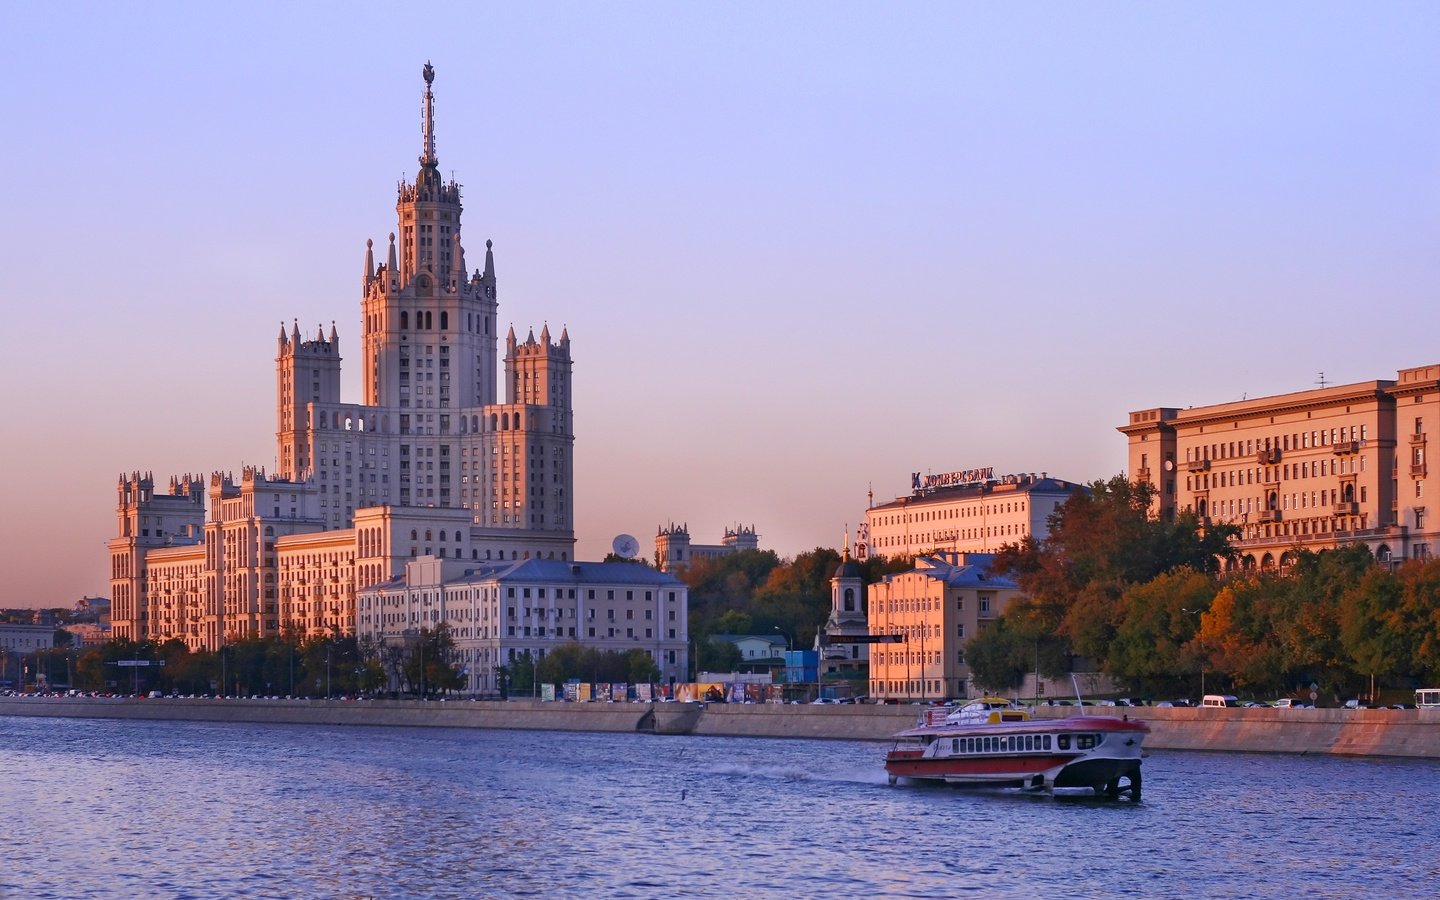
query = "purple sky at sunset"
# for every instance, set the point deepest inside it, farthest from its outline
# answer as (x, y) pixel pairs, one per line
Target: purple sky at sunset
(800, 248)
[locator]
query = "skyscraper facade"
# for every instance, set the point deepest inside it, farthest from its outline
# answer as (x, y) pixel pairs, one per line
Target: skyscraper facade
(431, 462)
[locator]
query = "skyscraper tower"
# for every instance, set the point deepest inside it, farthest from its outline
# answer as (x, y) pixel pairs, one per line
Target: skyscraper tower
(431, 462)
(431, 429)
(421, 302)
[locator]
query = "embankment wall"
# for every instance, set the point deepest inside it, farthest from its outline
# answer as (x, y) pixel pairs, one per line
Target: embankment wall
(1377, 732)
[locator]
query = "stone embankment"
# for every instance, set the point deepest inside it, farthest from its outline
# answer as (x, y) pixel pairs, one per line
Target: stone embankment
(1374, 732)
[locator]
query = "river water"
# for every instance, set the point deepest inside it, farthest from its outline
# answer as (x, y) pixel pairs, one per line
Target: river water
(107, 808)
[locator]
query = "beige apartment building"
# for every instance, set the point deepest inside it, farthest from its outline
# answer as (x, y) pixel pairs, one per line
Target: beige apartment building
(430, 463)
(970, 511)
(1314, 469)
(934, 609)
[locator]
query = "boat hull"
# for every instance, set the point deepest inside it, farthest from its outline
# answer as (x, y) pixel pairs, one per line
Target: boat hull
(1096, 752)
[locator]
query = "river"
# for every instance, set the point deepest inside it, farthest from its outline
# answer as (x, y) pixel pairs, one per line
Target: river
(111, 808)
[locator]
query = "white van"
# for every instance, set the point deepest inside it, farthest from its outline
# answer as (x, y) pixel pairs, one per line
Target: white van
(1220, 700)
(1283, 703)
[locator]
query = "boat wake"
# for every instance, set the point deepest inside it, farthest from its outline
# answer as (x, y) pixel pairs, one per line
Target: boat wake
(786, 773)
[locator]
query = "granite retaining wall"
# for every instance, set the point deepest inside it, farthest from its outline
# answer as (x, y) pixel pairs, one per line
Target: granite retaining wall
(1377, 732)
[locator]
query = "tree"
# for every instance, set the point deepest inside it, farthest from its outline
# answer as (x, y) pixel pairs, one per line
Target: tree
(996, 657)
(1420, 605)
(428, 663)
(642, 668)
(1102, 541)
(716, 655)
(1157, 623)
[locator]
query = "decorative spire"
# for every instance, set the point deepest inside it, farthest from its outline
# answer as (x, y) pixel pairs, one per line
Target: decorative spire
(282, 334)
(489, 261)
(427, 153)
(334, 335)
(564, 336)
(392, 269)
(545, 334)
(369, 260)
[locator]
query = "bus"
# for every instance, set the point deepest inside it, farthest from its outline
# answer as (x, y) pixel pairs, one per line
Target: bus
(1427, 698)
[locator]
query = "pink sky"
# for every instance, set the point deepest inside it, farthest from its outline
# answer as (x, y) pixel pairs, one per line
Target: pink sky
(800, 250)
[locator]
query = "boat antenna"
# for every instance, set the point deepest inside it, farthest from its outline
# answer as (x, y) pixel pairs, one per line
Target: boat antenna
(1078, 701)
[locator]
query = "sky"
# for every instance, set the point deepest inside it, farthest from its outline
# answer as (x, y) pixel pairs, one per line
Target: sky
(802, 249)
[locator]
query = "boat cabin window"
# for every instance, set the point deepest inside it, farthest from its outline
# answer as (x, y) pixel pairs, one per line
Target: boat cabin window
(1063, 741)
(1086, 741)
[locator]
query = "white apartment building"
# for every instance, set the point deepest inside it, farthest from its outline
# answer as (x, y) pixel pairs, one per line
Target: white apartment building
(497, 612)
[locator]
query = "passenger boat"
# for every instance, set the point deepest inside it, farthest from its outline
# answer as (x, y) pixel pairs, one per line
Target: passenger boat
(993, 742)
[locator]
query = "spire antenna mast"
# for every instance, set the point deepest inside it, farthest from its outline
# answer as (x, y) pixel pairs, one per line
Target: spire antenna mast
(427, 156)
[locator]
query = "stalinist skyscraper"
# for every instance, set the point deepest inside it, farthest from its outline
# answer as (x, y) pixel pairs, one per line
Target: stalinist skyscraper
(429, 463)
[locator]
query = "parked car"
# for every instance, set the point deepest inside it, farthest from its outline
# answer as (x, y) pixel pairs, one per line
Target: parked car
(1221, 700)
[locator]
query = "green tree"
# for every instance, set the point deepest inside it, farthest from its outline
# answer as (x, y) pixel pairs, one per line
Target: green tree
(642, 669)
(1158, 622)
(1101, 542)
(429, 664)
(1378, 635)
(997, 657)
(1420, 593)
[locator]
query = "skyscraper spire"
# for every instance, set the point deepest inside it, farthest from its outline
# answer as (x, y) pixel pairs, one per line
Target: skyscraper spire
(427, 152)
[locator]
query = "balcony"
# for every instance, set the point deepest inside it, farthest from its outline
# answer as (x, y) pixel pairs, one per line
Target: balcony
(1417, 439)
(1142, 474)
(1269, 515)
(1418, 470)
(1268, 457)
(1345, 447)
(1198, 465)
(1346, 508)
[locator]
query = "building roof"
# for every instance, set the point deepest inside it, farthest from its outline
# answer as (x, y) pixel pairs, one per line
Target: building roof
(994, 489)
(774, 640)
(973, 572)
(552, 571)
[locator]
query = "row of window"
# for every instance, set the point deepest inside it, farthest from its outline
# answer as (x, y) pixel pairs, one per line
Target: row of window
(1302, 440)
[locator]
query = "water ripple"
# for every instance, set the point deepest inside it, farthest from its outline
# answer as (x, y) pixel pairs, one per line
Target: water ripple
(200, 810)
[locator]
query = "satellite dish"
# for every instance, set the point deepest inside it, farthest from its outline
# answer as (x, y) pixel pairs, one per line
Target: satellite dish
(625, 546)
